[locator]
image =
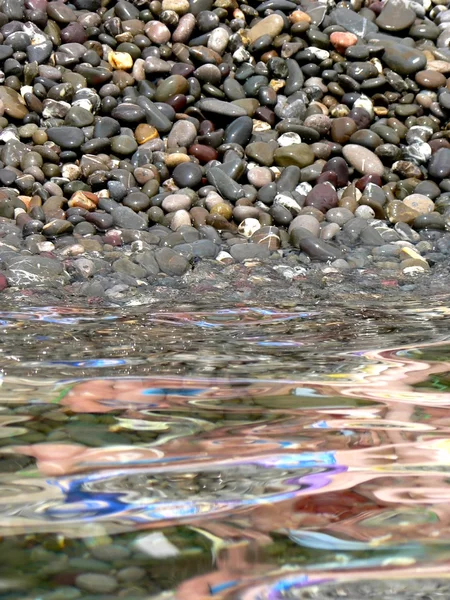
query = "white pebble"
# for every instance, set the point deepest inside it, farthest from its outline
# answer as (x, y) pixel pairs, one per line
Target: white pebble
(319, 53)
(287, 202)
(248, 227)
(45, 246)
(365, 103)
(218, 40)
(26, 89)
(224, 257)
(287, 139)
(303, 188)
(416, 270)
(364, 212)
(241, 55)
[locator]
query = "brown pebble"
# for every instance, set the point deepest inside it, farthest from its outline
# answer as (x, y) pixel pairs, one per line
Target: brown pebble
(430, 80)
(202, 152)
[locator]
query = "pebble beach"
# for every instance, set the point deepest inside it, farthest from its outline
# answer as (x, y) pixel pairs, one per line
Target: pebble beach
(154, 145)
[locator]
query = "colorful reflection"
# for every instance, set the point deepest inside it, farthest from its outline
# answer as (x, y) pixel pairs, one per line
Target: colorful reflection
(292, 457)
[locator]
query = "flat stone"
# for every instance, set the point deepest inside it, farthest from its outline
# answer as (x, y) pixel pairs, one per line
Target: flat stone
(224, 184)
(96, 583)
(33, 271)
(398, 212)
(439, 164)
(127, 219)
(261, 152)
(198, 249)
(318, 249)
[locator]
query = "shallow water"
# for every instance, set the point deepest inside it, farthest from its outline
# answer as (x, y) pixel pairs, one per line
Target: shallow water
(246, 452)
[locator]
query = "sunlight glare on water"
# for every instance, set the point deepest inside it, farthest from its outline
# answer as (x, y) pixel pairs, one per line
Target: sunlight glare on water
(245, 452)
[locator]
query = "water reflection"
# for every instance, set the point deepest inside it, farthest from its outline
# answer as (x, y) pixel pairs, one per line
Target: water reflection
(247, 452)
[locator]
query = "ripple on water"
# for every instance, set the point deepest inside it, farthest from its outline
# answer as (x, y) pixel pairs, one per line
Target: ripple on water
(246, 452)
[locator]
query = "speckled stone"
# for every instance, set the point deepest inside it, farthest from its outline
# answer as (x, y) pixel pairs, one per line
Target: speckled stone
(420, 203)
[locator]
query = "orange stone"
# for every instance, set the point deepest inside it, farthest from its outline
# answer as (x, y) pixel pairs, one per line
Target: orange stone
(26, 200)
(298, 16)
(86, 200)
(145, 133)
(343, 40)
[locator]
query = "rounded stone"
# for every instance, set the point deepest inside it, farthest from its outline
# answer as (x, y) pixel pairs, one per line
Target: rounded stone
(13, 103)
(187, 175)
(66, 137)
(299, 155)
(363, 160)
(175, 202)
(271, 25)
(323, 196)
(259, 176)
(430, 79)
(123, 144)
(420, 203)
(96, 583)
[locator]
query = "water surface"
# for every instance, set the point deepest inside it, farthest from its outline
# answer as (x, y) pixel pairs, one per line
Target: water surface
(246, 452)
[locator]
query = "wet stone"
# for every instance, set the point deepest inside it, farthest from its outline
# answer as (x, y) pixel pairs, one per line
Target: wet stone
(242, 252)
(395, 16)
(187, 175)
(96, 583)
(421, 204)
(299, 155)
(363, 160)
(171, 262)
(126, 218)
(14, 104)
(430, 79)
(323, 196)
(123, 145)
(66, 137)
(403, 60)
(439, 164)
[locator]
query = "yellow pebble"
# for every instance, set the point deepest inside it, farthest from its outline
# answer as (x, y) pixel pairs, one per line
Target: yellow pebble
(120, 60)
(174, 159)
(223, 209)
(412, 253)
(277, 84)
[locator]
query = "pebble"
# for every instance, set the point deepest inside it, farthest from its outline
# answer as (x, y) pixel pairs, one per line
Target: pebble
(420, 203)
(363, 160)
(280, 127)
(96, 583)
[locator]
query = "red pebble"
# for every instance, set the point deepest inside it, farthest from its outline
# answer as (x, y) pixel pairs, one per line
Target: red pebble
(203, 153)
(329, 176)
(362, 183)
